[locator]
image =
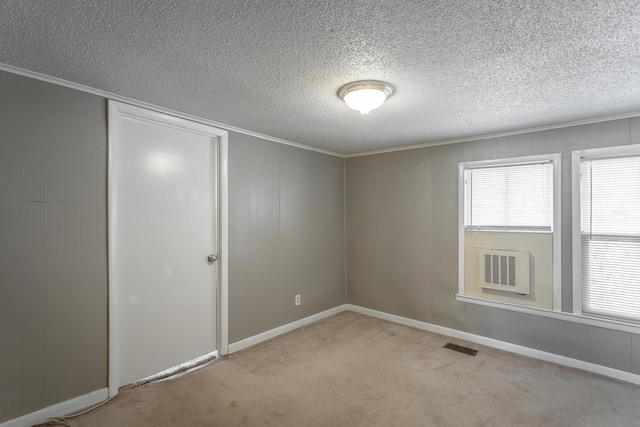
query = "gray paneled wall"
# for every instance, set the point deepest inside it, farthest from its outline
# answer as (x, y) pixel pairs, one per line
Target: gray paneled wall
(286, 232)
(391, 270)
(312, 232)
(385, 193)
(286, 238)
(53, 247)
(254, 246)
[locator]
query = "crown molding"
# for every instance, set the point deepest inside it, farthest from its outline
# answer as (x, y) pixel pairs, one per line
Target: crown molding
(115, 97)
(142, 104)
(501, 134)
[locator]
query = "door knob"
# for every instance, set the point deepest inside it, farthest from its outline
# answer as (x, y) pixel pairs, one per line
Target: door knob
(212, 258)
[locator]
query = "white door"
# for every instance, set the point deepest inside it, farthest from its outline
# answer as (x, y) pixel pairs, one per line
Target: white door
(163, 220)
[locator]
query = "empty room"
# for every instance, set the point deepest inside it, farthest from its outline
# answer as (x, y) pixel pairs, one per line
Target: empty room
(319, 213)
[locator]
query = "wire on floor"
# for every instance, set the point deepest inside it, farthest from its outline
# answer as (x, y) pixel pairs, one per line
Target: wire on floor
(64, 421)
(197, 363)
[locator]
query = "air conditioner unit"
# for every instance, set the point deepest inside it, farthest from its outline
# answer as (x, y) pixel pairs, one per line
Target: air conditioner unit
(505, 270)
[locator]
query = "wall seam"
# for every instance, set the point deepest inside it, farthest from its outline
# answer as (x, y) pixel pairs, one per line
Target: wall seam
(280, 308)
(430, 201)
(251, 226)
(20, 244)
(82, 254)
(346, 259)
(44, 256)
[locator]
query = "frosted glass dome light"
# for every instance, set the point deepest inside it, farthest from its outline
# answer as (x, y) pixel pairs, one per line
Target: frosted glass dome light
(365, 95)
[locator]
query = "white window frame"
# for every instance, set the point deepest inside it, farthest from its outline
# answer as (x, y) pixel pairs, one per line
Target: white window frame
(556, 161)
(576, 159)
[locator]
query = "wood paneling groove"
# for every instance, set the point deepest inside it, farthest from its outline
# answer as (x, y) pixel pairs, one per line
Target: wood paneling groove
(32, 243)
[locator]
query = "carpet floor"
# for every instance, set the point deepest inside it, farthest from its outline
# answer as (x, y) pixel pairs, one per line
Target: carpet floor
(355, 370)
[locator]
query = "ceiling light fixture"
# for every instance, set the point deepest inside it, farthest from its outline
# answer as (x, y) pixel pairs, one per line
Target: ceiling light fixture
(365, 95)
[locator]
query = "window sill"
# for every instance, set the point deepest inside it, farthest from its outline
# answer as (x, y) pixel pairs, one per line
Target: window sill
(559, 315)
(506, 230)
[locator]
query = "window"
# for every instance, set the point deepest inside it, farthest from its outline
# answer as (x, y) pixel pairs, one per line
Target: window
(509, 197)
(509, 227)
(608, 238)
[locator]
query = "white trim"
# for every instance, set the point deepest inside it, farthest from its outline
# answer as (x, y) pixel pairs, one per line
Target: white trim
(59, 409)
(223, 257)
(576, 256)
(576, 159)
(604, 152)
(556, 161)
(501, 134)
(513, 348)
(559, 315)
(461, 168)
(521, 160)
(557, 232)
(344, 229)
(109, 95)
(272, 333)
(118, 110)
(127, 100)
(112, 184)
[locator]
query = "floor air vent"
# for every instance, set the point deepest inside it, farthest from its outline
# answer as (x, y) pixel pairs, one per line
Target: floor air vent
(461, 349)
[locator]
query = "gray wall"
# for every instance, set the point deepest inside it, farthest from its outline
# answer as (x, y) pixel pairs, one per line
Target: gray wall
(286, 238)
(402, 242)
(53, 248)
(286, 230)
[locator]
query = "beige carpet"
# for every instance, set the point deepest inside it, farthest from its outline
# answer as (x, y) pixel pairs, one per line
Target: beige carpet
(354, 370)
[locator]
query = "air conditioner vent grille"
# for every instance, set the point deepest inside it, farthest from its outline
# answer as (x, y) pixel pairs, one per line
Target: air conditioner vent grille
(505, 270)
(487, 268)
(512, 270)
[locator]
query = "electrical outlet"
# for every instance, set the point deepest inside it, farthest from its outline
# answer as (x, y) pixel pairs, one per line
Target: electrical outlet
(297, 299)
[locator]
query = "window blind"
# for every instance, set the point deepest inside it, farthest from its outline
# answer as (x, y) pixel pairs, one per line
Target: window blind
(509, 197)
(610, 237)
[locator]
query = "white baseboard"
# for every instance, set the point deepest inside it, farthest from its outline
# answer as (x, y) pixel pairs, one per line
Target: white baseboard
(59, 409)
(95, 397)
(248, 342)
(513, 348)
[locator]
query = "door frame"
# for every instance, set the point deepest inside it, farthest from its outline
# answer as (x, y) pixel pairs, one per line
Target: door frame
(117, 110)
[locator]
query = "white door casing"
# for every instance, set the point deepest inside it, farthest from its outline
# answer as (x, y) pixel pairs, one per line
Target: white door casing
(163, 196)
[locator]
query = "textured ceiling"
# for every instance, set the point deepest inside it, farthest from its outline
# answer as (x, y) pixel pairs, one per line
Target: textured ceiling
(460, 68)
